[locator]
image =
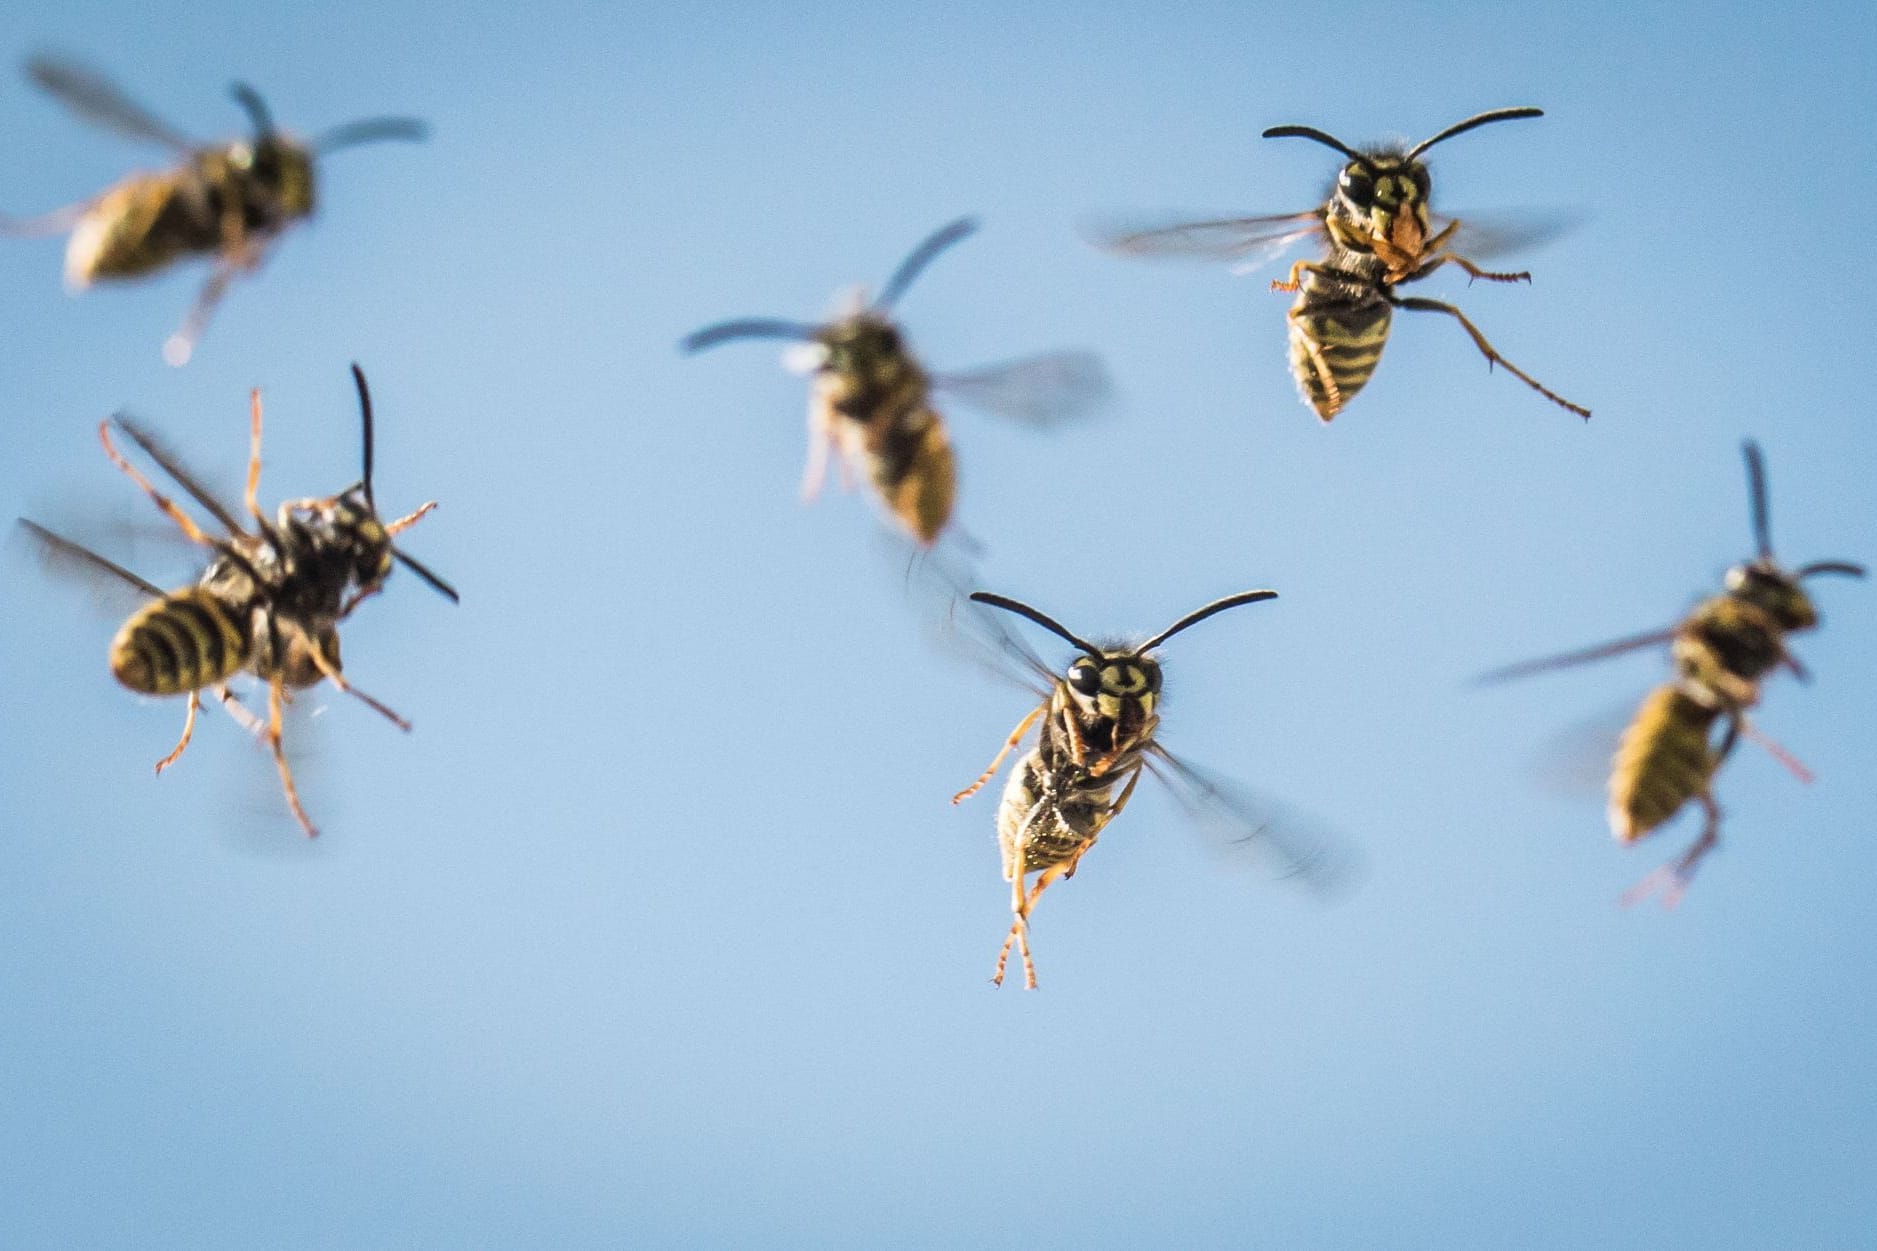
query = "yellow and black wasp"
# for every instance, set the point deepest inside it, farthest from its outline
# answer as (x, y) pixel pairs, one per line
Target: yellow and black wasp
(1378, 232)
(1096, 731)
(1722, 651)
(872, 399)
(271, 600)
(227, 200)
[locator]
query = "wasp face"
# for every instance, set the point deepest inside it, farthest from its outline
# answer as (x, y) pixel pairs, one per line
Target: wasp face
(282, 169)
(862, 346)
(1768, 587)
(1386, 196)
(1119, 691)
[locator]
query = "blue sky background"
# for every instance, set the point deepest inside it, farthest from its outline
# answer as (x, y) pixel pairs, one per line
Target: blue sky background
(659, 929)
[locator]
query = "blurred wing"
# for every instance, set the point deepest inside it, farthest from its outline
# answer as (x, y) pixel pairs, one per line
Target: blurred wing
(1242, 820)
(172, 465)
(1041, 391)
(1574, 762)
(1243, 242)
(118, 589)
(57, 222)
(938, 583)
(1525, 668)
(98, 100)
(1485, 236)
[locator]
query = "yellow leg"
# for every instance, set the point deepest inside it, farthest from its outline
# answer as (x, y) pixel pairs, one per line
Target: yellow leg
(1016, 736)
(1490, 353)
(1672, 879)
(405, 523)
(182, 519)
(188, 729)
(251, 497)
(275, 693)
(1473, 271)
(333, 675)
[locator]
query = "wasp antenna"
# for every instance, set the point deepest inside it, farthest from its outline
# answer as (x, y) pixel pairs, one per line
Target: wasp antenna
(250, 101)
(1480, 119)
(747, 328)
(437, 584)
(372, 130)
(1845, 567)
(1311, 132)
(1024, 610)
(1756, 498)
(364, 409)
(1199, 615)
(921, 256)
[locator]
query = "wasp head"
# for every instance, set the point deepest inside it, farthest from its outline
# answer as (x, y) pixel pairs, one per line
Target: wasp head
(1383, 196)
(281, 169)
(1774, 591)
(1117, 690)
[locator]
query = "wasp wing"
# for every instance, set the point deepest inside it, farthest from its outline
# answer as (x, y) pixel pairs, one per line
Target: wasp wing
(118, 589)
(938, 584)
(1042, 391)
(1602, 651)
(95, 98)
(1484, 236)
(1243, 820)
(1243, 242)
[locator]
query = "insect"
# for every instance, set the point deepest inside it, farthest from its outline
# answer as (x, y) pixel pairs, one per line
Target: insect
(1378, 233)
(872, 399)
(227, 200)
(1722, 652)
(1096, 730)
(270, 601)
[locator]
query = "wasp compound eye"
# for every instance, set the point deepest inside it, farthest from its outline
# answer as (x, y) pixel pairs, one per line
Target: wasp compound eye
(1085, 679)
(1357, 186)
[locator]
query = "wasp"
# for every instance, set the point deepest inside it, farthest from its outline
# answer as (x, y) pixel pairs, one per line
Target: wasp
(872, 400)
(270, 601)
(1378, 233)
(228, 200)
(1096, 732)
(1721, 652)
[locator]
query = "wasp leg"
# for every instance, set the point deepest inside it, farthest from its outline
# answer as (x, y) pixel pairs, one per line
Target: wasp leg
(820, 442)
(1488, 351)
(1297, 272)
(179, 347)
(182, 519)
(1016, 736)
(406, 522)
(251, 496)
(239, 711)
(1490, 275)
(1672, 879)
(333, 675)
(188, 729)
(1332, 394)
(276, 690)
(1773, 748)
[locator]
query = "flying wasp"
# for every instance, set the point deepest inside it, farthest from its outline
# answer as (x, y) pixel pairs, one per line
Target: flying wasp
(268, 604)
(227, 200)
(1378, 232)
(1722, 652)
(872, 400)
(1096, 731)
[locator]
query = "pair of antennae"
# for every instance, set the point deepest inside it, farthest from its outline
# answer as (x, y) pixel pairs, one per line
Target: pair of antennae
(364, 487)
(896, 286)
(1763, 525)
(1056, 628)
(351, 134)
(1458, 128)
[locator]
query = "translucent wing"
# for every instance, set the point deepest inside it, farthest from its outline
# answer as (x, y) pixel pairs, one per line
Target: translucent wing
(116, 589)
(57, 222)
(938, 584)
(1243, 820)
(98, 100)
(1243, 242)
(1544, 664)
(1484, 236)
(1041, 391)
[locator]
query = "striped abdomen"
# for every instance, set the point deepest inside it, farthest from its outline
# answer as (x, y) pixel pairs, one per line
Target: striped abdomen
(140, 225)
(1052, 817)
(1335, 345)
(909, 458)
(1664, 760)
(183, 642)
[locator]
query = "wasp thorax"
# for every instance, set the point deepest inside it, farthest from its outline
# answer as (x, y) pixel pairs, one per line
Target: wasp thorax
(1776, 592)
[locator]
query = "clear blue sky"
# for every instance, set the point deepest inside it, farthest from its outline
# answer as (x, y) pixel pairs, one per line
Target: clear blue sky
(659, 929)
